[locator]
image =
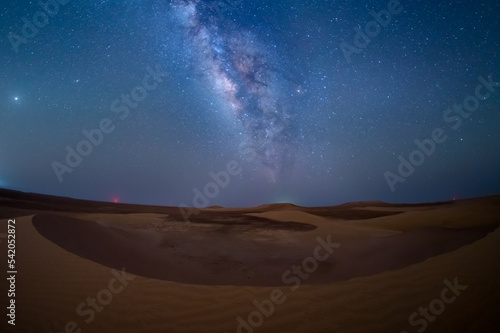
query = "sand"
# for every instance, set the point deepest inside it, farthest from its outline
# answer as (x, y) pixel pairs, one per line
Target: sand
(201, 277)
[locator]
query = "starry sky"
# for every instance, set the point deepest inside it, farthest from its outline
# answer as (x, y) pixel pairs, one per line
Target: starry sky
(246, 102)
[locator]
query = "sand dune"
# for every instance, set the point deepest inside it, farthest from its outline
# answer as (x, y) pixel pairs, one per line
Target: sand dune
(203, 276)
(230, 258)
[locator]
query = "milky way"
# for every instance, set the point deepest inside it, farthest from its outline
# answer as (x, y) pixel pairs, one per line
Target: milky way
(265, 83)
(247, 79)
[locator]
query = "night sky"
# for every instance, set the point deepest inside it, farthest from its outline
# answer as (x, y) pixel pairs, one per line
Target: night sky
(310, 102)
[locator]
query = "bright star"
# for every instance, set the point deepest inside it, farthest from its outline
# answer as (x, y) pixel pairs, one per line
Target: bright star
(16, 98)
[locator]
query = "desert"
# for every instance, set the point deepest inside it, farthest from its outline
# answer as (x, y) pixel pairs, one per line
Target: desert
(360, 267)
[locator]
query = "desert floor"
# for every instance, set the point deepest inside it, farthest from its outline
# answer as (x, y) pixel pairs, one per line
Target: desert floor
(376, 268)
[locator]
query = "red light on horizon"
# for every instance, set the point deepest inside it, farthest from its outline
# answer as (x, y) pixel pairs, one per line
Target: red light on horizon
(116, 200)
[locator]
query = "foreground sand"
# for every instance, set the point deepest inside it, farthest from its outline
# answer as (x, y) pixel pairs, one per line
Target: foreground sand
(202, 276)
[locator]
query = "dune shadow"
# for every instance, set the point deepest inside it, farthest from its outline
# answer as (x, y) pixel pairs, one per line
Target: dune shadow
(223, 259)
